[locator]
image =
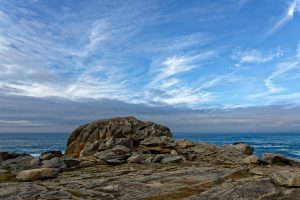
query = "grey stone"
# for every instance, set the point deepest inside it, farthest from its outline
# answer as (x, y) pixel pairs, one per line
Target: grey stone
(53, 163)
(71, 162)
(50, 154)
(173, 159)
(90, 149)
(158, 158)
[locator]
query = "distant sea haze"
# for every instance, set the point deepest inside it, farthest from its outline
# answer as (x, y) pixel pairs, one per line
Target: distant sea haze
(36, 143)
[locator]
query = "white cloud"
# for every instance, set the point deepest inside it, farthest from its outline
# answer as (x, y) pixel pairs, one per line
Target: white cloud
(250, 56)
(291, 9)
(281, 69)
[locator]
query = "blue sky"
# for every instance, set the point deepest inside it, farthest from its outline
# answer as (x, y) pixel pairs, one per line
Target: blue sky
(174, 62)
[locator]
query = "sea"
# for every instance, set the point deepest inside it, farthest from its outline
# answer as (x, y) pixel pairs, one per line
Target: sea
(282, 143)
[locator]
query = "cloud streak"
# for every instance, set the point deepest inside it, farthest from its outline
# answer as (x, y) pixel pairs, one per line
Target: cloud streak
(291, 9)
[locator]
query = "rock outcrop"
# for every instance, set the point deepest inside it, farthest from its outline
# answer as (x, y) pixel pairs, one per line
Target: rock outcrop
(128, 128)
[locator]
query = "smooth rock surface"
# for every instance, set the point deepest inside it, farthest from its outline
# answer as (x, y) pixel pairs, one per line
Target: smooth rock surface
(286, 178)
(37, 174)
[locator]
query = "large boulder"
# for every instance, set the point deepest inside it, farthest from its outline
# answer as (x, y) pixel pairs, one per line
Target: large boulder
(130, 129)
(37, 174)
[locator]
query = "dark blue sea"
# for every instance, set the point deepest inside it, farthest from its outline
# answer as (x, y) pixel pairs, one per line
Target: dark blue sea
(282, 143)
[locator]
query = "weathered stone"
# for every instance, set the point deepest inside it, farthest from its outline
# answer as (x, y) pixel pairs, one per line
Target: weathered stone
(158, 158)
(122, 127)
(117, 155)
(148, 160)
(17, 164)
(243, 147)
(35, 162)
(111, 188)
(278, 159)
(71, 162)
(173, 159)
(53, 163)
(89, 149)
(50, 154)
(37, 174)
(252, 160)
(174, 152)
(155, 141)
(286, 178)
(121, 150)
(135, 158)
(184, 144)
(7, 156)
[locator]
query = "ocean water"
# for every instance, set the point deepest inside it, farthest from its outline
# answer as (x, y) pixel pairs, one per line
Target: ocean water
(33, 143)
(282, 143)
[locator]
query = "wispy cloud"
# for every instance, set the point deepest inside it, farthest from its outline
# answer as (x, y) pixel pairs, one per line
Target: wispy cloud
(250, 56)
(281, 69)
(291, 8)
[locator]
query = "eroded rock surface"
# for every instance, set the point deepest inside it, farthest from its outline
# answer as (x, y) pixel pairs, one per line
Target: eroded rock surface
(126, 127)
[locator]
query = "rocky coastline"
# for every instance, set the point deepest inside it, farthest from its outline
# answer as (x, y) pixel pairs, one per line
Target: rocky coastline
(125, 158)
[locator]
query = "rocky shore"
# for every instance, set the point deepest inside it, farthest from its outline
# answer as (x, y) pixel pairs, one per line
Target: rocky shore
(125, 158)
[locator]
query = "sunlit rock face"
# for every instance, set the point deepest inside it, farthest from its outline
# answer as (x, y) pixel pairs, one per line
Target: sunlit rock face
(126, 129)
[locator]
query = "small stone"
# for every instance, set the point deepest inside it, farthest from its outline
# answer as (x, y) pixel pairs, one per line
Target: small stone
(158, 158)
(251, 160)
(173, 159)
(185, 144)
(136, 158)
(111, 188)
(174, 153)
(37, 174)
(148, 160)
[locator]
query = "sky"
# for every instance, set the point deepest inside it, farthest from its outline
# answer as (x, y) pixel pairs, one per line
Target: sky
(195, 66)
